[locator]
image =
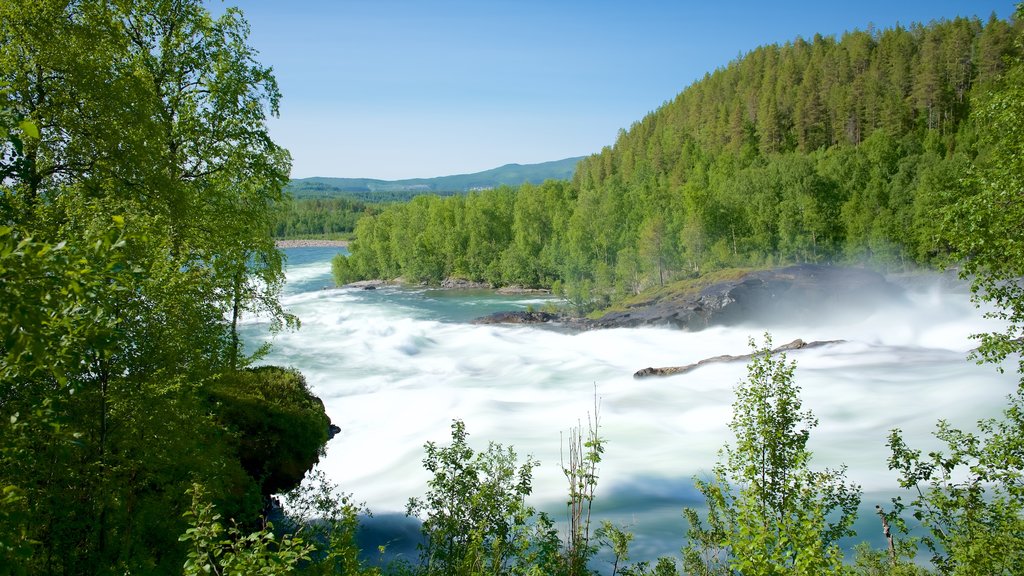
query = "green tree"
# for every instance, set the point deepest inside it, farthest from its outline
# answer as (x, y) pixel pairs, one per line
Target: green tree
(969, 498)
(984, 225)
(278, 427)
(329, 520)
(150, 115)
(768, 512)
(214, 549)
(474, 513)
(585, 454)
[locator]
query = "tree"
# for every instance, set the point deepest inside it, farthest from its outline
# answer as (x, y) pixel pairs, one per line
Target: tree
(475, 515)
(145, 121)
(768, 512)
(330, 520)
(585, 453)
(214, 549)
(984, 225)
(969, 498)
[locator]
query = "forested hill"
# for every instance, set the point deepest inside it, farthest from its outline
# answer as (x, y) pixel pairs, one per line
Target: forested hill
(823, 150)
(806, 96)
(368, 189)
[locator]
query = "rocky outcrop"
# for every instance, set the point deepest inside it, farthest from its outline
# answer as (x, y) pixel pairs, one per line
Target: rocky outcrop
(804, 293)
(520, 317)
(367, 284)
(797, 344)
(463, 284)
(519, 291)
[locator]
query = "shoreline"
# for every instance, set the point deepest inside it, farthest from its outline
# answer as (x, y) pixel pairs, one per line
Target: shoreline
(311, 243)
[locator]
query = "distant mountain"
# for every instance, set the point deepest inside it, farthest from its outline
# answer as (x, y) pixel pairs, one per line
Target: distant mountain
(371, 189)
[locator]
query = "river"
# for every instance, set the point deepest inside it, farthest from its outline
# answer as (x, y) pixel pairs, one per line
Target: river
(395, 366)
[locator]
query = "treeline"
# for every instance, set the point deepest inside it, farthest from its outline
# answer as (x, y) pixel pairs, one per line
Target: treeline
(815, 151)
(313, 217)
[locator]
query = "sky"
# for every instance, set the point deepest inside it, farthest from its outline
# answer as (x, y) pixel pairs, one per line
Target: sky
(395, 89)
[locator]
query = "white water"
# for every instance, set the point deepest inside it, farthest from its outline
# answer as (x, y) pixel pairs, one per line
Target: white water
(393, 372)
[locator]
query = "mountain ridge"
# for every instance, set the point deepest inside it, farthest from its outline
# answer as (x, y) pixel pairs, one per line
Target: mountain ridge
(509, 174)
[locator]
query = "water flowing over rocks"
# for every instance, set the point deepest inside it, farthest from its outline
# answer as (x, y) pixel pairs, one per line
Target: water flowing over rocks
(794, 294)
(797, 344)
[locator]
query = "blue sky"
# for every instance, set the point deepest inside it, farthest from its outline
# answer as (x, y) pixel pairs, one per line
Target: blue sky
(396, 89)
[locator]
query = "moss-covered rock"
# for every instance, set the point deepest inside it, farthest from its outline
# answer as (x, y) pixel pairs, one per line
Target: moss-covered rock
(279, 427)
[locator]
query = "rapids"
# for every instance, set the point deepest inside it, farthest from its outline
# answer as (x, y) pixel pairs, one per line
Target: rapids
(395, 366)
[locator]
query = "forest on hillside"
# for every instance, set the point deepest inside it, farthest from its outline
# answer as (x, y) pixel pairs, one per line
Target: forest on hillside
(843, 150)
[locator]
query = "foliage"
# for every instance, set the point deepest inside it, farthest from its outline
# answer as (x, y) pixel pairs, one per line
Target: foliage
(585, 455)
(983, 226)
(474, 512)
(137, 185)
(279, 426)
(216, 550)
(315, 217)
(969, 498)
(768, 512)
(867, 561)
(330, 521)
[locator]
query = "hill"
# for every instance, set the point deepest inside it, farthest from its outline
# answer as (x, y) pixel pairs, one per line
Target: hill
(845, 150)
(368, 189)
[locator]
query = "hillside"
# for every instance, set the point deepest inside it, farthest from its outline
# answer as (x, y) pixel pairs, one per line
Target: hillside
(368, 189)
(843, 150)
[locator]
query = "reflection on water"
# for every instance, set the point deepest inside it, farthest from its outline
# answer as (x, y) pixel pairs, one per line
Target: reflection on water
(395, 366)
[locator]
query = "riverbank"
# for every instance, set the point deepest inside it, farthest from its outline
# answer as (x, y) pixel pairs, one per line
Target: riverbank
(311, 243)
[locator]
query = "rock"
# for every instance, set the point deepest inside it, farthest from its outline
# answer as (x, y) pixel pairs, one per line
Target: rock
(463, 284)
(519, 290)
(803, 293)
(332, 431)
(366, 284)
(797, 344)
(521, 317)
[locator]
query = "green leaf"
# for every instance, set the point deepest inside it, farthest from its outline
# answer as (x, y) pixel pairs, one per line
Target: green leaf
(29, 128)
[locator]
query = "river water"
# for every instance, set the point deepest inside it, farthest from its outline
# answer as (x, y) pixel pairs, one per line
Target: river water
(396, 366)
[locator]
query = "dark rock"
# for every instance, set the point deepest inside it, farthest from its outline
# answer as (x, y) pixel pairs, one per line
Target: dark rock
(797, 344)
(519, 290)
(332, 431)
(463, 284)
(367, 284)
(806, 293)
(521, 317)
